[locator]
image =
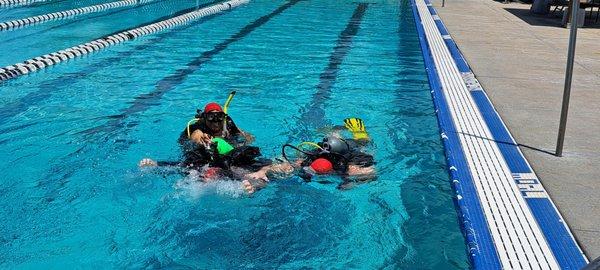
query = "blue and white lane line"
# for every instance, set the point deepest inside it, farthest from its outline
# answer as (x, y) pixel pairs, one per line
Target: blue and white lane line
(71, 13)
(37, 63)
(11, 3)
(509, 220)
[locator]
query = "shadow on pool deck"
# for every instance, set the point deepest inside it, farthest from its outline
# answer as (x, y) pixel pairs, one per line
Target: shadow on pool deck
(552, 20)
(549, 152)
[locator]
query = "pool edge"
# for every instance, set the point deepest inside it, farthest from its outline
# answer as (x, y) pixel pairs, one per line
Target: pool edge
(481, 249)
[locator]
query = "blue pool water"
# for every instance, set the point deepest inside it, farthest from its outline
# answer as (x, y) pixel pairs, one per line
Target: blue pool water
(71, 195)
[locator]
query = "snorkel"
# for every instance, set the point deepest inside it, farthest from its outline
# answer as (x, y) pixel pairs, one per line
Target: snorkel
(225, 132)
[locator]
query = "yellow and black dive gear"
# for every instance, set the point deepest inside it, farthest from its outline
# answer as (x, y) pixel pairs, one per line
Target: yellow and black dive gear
(357, 127)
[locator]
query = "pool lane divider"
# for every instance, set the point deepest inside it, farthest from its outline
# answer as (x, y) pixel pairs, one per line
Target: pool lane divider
(19, 23)
(6, 3)
(314, 113)
(92, 17)
(508, 218)
(45, 90)
(47, 60)
(143, 102)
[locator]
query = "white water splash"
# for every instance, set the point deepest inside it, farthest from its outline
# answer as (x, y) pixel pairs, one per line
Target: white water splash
(194, 186)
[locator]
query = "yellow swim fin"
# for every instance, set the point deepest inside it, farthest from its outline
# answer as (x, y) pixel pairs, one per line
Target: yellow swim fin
(357, 127)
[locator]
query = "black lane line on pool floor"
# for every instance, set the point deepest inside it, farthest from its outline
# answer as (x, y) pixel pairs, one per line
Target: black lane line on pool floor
(314, 114)
(60, 174)
(84, 19)
(144, 102)
(46, 88)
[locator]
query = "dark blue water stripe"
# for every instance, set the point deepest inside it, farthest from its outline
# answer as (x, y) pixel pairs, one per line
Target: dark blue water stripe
(482, 252)
(46, 89)
(118, 11)
(561, 242)
(144, 102)
(314, 114)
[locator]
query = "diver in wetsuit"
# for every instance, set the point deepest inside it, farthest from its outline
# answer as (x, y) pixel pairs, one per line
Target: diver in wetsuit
(212, 141)
(210, 123)
(333, 155)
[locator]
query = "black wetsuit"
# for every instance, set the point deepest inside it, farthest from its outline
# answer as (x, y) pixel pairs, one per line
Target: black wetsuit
(195, 156)
(245, 157)
(187, 145)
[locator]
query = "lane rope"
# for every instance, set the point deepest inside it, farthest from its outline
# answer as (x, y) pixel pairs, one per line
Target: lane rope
(40, 62)
(6, 3)
(19, 23)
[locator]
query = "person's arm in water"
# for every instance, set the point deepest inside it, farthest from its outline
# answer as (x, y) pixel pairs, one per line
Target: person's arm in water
(234, 131)
(361, 173)
(259, 179)
(196, 136)
(148, 162)
(361, 167)
(201, 138)
(248, 138)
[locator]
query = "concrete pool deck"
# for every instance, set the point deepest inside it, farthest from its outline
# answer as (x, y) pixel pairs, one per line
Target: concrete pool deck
(519, 59)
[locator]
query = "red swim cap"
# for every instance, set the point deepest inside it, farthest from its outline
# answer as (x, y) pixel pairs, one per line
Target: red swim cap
(322, 166)
(212, 107)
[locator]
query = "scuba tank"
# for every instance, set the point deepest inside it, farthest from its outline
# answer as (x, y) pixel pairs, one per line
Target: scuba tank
(330, 156)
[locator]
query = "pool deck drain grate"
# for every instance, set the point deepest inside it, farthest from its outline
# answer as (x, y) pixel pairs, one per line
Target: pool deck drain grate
(509, 220)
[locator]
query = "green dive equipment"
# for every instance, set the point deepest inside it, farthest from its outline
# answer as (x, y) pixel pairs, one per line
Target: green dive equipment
(222, 146)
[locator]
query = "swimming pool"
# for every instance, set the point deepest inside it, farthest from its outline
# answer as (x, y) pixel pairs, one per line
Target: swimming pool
(72, 194)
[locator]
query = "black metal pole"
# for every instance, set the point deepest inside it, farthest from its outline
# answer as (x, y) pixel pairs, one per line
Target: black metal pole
(568, 78)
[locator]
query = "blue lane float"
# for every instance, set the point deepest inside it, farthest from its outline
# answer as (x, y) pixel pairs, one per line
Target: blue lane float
(19, 23)
(44, 61)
